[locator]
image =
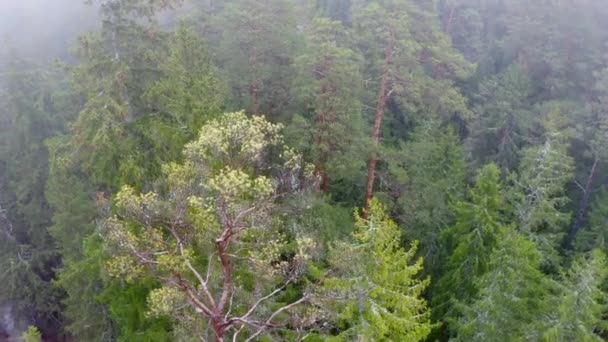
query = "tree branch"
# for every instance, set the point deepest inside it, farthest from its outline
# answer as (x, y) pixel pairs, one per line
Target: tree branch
(267, 323)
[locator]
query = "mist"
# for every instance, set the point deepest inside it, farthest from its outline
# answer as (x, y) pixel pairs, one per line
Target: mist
(44, 29)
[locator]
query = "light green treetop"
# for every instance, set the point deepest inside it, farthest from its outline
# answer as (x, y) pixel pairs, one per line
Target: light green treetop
(213, 238)
(373, 290)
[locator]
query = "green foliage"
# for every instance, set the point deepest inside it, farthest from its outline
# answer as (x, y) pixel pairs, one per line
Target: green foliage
(328, 86)
(429, 173)
(188, 94)
(258, 40)
(502, 118)
(375, 294)
(87, 317)
(471, 240)
(27, 117)
(216, 227)
(32, 334)
(221, 234)
(596, 235)
(424, 64)
(538, 194)
(578, 317)
(513, 294)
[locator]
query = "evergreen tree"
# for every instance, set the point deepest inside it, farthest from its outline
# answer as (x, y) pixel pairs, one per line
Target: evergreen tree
(329, 87)
(28, 116)
(512, 296)
(429, 174)
(579, 314)
(593, 131)
(596, 234)
(470, 242)
(537, 195)
(374, 294)
(256, 51)
(503, 119)
(125, 126)
(409, 56)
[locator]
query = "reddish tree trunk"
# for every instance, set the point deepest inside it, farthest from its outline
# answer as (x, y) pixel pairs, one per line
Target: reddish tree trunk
(378, 116)
(253, 92)
(324, 115)
(448, 24)
(321, 173)
(218, 330)
(581, 214)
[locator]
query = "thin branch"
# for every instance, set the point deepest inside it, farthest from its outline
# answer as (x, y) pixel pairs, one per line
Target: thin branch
(580, 186)
(267, 323)
(185, 258)
(236, 334)
(268, 296)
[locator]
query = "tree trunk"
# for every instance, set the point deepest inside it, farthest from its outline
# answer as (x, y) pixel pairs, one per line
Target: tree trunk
(321, 173)
(253, 92)
(378, 116)
(581, 213)
(218, 330)
(319, 141)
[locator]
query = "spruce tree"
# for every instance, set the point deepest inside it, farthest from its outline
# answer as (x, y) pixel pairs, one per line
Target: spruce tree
(512, 296)
(469, 243)
(375, 294)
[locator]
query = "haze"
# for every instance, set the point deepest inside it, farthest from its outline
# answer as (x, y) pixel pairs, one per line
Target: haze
(43, 29)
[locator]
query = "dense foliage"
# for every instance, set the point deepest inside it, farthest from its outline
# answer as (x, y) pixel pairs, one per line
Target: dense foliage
(191, 170)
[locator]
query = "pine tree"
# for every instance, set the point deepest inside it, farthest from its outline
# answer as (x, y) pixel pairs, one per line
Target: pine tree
(375, 294)
(329, 86)
(596, 234)
(594, 132)
(407, 55)
(116, 136)
(503, 119)
(186, 95)
(256, 51)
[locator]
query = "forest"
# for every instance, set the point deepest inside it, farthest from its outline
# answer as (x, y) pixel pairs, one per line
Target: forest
(303, 170)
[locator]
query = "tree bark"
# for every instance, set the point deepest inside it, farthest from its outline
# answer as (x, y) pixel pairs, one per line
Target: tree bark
(253, 92)
(378, 116)
(321, 173)
(581, 213)
(322, 118)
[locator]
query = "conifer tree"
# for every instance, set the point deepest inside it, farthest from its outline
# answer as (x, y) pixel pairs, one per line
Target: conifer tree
(329, 87)
(503, 118)
(512, 296)
(256, 51)
(428, 174)
(594, 132)
(595, 235)
(538, 196)
(407, 55)
(374, 293)
(28, 116)
(117, 136)
(470, 242)
(579, 313)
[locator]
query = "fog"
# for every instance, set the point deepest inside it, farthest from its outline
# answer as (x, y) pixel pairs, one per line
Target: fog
(43, 29)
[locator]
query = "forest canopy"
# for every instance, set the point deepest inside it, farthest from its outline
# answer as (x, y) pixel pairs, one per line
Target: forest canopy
(297, 170)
